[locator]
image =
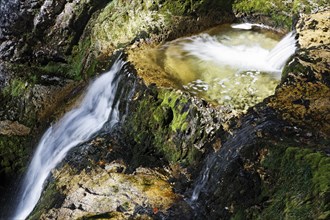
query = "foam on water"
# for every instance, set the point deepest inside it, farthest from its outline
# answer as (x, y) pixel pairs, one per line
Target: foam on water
(242, 57)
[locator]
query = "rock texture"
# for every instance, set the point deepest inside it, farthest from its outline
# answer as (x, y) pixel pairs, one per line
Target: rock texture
(279, 14)
(280, 144)
(145, 192)
(303, 97)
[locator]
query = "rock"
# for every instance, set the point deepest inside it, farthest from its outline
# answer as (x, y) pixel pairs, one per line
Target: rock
(100, 191)
(279, 14)
(13, 128)
(303, 97)
(180, 128)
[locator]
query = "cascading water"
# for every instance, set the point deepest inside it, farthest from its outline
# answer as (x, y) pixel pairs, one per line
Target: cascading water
(242, 57)
(77, 126)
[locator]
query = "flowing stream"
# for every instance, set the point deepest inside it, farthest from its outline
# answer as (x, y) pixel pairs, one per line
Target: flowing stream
(77, 126)
(223, 65)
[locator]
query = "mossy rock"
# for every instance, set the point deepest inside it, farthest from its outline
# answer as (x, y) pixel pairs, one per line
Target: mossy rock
(170, 124)
(50, 198)
(280, 12)
(297, 184)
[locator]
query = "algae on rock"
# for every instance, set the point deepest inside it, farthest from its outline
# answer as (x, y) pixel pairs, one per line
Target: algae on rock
(178, 127)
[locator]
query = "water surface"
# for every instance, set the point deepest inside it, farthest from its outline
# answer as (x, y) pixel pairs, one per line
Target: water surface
(236, 67)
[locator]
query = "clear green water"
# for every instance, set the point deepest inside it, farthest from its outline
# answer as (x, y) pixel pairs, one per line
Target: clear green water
(224, 66)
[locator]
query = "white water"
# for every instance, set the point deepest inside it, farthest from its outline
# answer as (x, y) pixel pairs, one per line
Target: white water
(244, 57)
(76, 127)
(249, 26)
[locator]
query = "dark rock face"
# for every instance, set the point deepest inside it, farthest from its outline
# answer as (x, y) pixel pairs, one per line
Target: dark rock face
(42, 43)
(43, 31)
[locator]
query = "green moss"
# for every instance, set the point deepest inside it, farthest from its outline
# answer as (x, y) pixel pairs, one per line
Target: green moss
(181, 7)
(120, 22)
(107, 215)
(15, 88)
(80, 64)
(166, 117)
(175, 103)
(280, 11)
(79, 58)
(188, 7)
(299, 187)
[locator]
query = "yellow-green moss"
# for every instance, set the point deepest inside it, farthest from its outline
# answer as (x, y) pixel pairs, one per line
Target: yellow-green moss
(107, 215)
(51, 196)
(160, 123)
(176, 104)
(14, 154)
(15, 88)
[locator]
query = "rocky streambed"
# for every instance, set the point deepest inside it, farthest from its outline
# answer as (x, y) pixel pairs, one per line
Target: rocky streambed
(173, 155)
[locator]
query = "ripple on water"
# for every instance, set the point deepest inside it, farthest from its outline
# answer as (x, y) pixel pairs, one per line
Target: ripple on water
(228, 66)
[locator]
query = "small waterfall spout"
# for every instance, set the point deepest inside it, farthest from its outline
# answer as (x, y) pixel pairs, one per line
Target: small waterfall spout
(278, 56)
(243, 56)
(77, 126)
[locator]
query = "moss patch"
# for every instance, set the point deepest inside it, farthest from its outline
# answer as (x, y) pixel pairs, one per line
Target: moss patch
(281, 12)
(50, 198)
(107, 215)
(15, 88)
(161, 125)
(298, 185)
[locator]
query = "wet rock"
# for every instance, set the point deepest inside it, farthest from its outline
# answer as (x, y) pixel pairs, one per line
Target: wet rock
(153, 21)
(179, 128)
(101, 191)
(144, 170)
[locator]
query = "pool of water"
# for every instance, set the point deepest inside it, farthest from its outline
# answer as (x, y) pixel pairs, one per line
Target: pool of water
(235, 66)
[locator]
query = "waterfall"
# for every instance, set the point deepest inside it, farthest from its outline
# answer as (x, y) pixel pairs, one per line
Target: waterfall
(77, 126)
(243, 57)
(278, 56)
